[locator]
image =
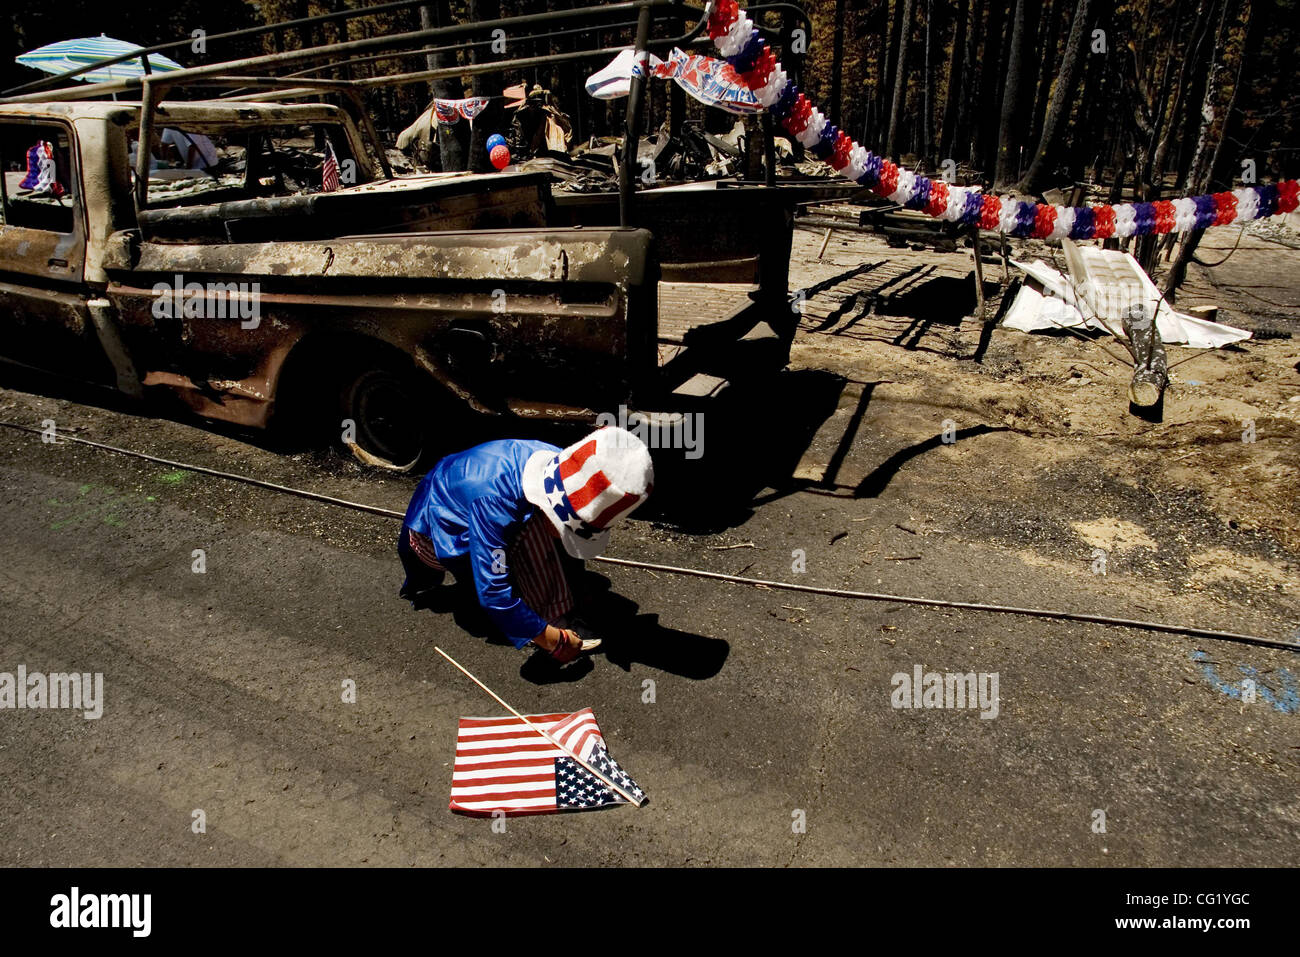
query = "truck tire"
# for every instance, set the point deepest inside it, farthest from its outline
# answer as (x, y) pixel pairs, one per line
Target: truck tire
(388, 417)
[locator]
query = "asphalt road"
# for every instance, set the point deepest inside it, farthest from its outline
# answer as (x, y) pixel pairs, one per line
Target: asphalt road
(223, 690)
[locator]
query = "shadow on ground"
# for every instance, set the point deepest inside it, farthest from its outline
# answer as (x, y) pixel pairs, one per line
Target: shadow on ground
(628, 638)
(753, 439)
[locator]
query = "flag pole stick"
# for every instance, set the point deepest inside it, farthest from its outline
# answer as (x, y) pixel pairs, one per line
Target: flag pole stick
(540, 730)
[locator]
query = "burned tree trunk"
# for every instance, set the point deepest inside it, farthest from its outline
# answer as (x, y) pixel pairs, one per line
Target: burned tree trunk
(956, 81)
(1092, 127)
(1007, 138)
(1048, 44)
(990, 70)
(1150, 366)
(900, 77)
(1207, 86)
(1121, 162)
(487, 85)
(837, 64)
(451, 151)
(1223, 154)
(927, 85)
(1151, 179)
(970, 79)
(1058, 110)
(1196, 82)
(884, 86)
(1209, 89)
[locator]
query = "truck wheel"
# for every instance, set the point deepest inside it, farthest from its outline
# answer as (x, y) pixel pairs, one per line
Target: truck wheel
(391, 415)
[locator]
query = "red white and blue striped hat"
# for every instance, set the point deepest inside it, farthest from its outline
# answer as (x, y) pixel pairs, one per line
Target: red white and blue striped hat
(587, 488)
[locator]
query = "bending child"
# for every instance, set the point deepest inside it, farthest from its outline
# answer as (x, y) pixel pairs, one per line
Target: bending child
(495, 513)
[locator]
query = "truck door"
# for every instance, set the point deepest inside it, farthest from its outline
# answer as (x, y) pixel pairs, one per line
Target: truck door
(44, 320)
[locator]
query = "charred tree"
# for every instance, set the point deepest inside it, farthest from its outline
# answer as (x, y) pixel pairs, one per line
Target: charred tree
(1005, 169)
(885, 86)
(956, 81)
(1058, 110)
(1146, 389)
(837, 63)
(900, 76)
(1047, 47)
(451, 150)
(927, 87)
(485, 85)
(983, 128)
(962, 133)
(1153, 116)
(1224, 154)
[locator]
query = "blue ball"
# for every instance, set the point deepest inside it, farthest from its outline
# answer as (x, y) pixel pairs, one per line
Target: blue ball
(496, 139)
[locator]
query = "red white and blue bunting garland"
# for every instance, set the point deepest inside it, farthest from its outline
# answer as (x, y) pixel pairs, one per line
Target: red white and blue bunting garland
(449, 111)
(748, 53)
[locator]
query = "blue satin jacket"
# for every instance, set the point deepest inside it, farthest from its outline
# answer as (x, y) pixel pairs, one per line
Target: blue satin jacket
(472, 504)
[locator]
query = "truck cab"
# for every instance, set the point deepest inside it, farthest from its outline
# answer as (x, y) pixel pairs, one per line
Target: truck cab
(275, 271)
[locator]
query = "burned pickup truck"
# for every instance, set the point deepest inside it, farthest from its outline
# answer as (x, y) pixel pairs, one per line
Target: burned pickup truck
(268, 268)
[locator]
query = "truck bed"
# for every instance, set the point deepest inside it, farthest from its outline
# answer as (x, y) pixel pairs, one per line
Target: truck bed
(684, 306)
(710, 334)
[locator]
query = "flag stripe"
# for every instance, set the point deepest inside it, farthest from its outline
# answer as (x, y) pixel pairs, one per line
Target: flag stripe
(518, 745)
(506, 791)
(577, 460)
(582, 497)
(527, 776)
(508, 760)
(503, 766)
(473, 725)
(506, 805)
(514, 734)
(580, 748)
(566, 729)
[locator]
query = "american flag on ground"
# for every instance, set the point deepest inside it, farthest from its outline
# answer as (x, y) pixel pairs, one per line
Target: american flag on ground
(502, 764)
(329, 175)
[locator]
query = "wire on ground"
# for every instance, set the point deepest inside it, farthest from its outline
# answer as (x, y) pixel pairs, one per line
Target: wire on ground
(1107, 620)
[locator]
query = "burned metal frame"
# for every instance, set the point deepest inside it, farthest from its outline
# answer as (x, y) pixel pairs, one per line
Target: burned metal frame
(153, 88)
(270, 28)
(154, 91)
(330, 51)
(425, 51)
(625, 24)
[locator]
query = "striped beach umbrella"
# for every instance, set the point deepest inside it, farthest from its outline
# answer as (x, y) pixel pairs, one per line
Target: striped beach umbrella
(74, 54)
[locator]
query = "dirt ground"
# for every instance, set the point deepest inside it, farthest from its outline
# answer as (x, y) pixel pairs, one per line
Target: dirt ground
(1218, 473)
(760, 722)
